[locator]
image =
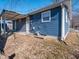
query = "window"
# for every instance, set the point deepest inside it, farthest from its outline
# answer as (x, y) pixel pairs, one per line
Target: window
(46, 16)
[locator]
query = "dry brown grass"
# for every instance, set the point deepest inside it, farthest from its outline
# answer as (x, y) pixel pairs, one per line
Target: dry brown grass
(31, 47)
(73, 40)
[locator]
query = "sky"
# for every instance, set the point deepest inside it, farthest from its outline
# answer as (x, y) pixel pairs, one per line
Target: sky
(26, 6)
(75, 6)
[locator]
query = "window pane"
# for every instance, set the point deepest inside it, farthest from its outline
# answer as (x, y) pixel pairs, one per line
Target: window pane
(46, 18)
(46, 14)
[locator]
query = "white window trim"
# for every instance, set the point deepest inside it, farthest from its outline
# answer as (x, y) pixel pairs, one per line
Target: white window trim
(42, 20)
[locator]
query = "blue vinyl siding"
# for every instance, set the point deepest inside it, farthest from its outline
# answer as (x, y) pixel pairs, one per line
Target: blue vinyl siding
(66, 22)
(52, 28)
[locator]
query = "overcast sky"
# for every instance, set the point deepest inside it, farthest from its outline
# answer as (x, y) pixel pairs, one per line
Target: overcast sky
(26, 6)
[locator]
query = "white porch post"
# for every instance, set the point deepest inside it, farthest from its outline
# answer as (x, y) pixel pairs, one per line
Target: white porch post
(4, 27)
(27, 25)
(15, 25)
(63, 23)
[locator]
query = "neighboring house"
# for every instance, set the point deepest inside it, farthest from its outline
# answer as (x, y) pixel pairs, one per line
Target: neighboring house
(8, 26)
(52, 20)
(75, 22)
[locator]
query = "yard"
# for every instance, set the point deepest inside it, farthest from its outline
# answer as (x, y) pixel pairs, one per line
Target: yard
(32, 47)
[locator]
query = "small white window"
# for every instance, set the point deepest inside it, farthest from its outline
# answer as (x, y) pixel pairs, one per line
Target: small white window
(46, 16)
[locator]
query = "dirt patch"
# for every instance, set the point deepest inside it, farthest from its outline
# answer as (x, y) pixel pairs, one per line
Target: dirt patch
(72, 40)
(32, 47)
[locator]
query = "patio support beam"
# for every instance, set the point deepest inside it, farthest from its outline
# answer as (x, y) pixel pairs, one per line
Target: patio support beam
(27, 25)
(15, 25)
(4, 27)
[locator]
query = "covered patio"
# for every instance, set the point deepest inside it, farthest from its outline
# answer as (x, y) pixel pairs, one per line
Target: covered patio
(15, 19)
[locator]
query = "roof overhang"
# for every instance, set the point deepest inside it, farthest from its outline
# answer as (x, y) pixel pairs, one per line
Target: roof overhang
(45, 8)
(66, 3)
(10, 15)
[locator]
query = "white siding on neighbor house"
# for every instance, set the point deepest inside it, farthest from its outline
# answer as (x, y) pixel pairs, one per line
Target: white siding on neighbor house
(75, 22)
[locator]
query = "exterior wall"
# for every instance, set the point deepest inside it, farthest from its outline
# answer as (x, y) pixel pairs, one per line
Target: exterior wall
(75, 22)
(19, 25)
(52, 28)
(67, 21)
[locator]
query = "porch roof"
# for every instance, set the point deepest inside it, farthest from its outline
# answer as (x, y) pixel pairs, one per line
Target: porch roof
(11, 15)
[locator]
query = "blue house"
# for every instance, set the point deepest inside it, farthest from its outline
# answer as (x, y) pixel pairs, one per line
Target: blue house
(53, 20)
